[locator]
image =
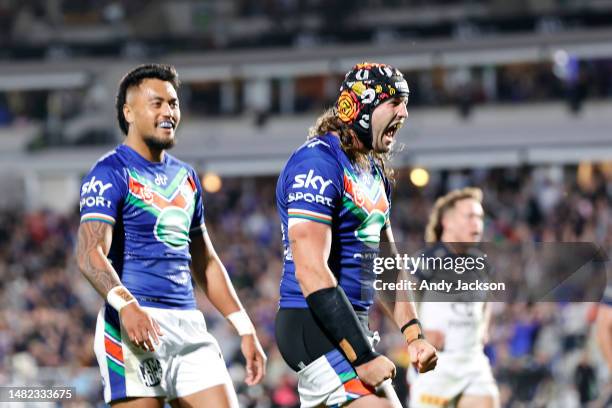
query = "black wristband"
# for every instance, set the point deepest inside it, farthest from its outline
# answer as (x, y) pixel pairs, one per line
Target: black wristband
(416, 333)
(336, 316)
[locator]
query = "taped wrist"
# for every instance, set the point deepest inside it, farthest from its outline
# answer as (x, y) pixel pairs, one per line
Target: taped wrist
(119, 297)
(335, 314)
(412, 331)
(241, 322)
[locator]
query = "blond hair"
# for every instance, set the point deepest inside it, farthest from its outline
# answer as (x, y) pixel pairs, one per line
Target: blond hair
(329, 122)
(434, 229)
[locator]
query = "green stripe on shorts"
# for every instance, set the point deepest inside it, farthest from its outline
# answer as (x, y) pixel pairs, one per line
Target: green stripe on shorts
(344, 377)
(115, 367)
(114, 333)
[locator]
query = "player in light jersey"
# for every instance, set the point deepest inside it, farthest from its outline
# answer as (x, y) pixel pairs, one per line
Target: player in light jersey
(141, 240)
(604, 339)
(333, 198)
(463, 375)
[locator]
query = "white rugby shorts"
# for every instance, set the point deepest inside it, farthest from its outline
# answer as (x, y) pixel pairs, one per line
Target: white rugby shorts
(187, 360)
(454, 375)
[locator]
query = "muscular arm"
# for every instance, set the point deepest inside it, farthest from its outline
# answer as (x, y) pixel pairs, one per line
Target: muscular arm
(604, 332)
(402, 310)
(210, 274)
(310, 247)
(94, 242)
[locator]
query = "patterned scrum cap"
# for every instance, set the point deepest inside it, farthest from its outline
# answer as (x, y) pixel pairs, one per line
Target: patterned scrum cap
(365, 87)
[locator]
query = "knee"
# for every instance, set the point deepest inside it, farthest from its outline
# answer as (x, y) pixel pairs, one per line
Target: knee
(370, 401)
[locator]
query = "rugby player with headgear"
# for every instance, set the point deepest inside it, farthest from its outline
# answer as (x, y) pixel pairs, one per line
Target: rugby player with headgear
(333, 198)
(141, 240)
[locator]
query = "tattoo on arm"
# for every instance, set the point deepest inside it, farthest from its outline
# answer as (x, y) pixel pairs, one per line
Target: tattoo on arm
(93, 245)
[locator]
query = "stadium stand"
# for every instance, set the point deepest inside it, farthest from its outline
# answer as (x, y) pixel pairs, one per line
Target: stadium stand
(513, 97)
(48, 311)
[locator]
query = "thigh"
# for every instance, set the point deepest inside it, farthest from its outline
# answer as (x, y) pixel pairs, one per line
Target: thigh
(325, 377)
(330, 380)
(370, 401)
(299, 338)
(482, 390)
(435, 389)
(127, 371)
(197, 364)
(219, 396)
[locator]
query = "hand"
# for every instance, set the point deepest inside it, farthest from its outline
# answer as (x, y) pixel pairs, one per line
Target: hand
(255, 359)
(140, 327)
(436, 338)
(374, 372)
(422, 355)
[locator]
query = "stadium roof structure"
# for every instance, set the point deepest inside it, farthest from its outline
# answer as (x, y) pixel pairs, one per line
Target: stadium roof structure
(320, 60)
(493, 136)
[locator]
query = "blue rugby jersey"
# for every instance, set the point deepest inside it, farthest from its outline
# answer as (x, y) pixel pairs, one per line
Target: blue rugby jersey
(319, 183)
(153, 208)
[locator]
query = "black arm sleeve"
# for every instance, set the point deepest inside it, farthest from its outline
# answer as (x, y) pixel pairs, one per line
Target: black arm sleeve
(334, 313)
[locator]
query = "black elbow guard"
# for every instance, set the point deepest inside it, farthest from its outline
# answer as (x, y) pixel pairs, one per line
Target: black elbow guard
(334, 313)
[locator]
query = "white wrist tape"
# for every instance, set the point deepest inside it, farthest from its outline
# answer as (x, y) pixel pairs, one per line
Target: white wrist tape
(241, 322)
(119, 297)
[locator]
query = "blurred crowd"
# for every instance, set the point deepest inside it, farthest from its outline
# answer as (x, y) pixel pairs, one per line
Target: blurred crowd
(542, 353)
(466, 88)
(54, 28)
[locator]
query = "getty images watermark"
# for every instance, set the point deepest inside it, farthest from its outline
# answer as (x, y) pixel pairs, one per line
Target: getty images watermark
(505, 272)
(424, 264)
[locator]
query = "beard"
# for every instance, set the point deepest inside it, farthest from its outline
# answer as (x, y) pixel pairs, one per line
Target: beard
(155, 143)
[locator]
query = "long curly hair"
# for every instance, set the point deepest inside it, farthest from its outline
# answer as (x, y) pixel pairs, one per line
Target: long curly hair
(329, 122)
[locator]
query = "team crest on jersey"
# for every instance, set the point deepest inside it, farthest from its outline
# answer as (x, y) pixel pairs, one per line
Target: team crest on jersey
(172, 206)
(147, 194)
(366, 198)
(357, 194)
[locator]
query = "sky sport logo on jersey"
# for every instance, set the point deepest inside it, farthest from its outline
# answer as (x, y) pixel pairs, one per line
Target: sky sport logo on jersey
(94, 190)
(312, 182)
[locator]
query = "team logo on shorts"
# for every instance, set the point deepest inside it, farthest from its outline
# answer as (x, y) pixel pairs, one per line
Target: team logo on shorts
(151, 372)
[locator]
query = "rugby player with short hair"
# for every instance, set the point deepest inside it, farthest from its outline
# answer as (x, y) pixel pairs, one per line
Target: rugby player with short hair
(141, 240)
(333, 198)
(457, 329)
